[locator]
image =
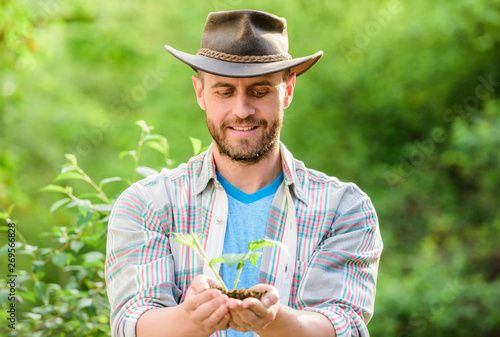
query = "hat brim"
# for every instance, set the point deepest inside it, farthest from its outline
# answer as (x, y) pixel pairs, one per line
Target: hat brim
(237, 69)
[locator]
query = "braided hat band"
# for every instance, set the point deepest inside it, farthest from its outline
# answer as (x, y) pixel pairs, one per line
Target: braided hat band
(245, 58)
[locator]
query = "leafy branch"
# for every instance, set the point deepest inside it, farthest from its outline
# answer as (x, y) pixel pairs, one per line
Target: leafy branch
(154, 141)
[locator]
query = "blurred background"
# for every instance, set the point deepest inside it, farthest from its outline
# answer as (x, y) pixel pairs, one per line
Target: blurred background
(405, 103)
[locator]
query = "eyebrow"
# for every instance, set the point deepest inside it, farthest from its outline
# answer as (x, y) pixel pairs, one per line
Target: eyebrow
(221, 84)
(226, 85)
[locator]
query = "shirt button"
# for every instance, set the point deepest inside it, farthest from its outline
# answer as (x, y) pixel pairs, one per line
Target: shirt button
(218, 221)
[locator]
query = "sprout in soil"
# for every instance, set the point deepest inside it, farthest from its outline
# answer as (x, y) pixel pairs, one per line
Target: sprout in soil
(191, 241)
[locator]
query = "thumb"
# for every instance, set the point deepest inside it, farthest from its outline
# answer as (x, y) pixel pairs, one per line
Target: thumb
(199, 284)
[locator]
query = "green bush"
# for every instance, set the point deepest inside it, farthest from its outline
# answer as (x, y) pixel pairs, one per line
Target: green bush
(77, 306)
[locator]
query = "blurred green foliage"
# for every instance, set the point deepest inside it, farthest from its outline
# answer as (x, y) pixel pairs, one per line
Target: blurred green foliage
(405, 102)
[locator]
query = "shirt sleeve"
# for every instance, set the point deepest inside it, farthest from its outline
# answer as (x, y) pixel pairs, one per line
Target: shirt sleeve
(340, 279)
(139, 267)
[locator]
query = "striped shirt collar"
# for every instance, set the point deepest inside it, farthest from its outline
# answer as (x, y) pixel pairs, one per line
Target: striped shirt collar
(290, 177)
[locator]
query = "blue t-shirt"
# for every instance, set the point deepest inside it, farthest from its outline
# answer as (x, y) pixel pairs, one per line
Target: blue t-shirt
(246, 222)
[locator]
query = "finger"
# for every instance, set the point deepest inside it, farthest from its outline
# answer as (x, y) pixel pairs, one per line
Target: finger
(271, 297)
(195, 301)
(244, 319)
(232, 324)
(253, 315)
(259, 311)
(218, 317)
(190, 292)
(213, 283)
(234, 303)
(238, 325)
(223, 324)
(245, 316)
(217, 306)
(253, 303)
(200, 283)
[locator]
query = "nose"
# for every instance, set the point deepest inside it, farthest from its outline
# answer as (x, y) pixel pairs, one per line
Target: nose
(243, 106)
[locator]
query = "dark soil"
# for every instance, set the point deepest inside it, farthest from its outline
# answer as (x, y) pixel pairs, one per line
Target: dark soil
(243, 293)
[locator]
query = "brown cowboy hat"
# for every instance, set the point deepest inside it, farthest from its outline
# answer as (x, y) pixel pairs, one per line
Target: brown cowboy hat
(245, 43)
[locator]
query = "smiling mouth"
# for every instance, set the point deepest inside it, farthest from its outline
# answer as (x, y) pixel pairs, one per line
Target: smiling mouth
(248, 128)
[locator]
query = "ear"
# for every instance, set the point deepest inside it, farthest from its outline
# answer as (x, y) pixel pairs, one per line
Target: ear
(290, 85)
(198, 88)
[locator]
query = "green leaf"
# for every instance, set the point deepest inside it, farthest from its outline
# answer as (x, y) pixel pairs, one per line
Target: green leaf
(103, 319)
(254, 257)
(41, 292)
(37, 265)
(33, 316)
(84, 303)
(30, 249)
(103, 207)
(217, 260)
(72, 204)
(196, 145)
(231, 259)
(70, 175)
(83, 205)
(29, 295)
(146, 171)
(72, 159)
(93, 257)
(58, 204)
(160, 146)
(131, 153)
(112, 179)
(54, 188)
(146, 128)
(261, 243)
(150, 137)
(60, 259)
(80, 203)
(76, 246)
(68, 168)
(6, 215)
(4, 250)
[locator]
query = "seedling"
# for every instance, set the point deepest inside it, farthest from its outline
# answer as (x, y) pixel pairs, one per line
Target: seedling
(191, 241)
(252, 255)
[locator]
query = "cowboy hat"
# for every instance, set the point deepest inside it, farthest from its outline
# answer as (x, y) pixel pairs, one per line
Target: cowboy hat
(244, 43)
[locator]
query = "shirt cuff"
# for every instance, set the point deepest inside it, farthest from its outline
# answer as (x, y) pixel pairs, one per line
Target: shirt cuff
(343, 324)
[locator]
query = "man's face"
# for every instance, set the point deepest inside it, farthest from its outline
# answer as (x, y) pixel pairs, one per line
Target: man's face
(244, 115)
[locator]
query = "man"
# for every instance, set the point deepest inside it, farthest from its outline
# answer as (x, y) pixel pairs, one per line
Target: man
(246, 186)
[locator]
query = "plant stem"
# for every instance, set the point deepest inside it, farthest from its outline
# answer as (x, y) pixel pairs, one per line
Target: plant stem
(247, 255)
(237, 278)
(138, 154)
(94, 185)
(205, 259)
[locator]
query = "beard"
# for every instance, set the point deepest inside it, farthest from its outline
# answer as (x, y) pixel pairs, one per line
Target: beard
(247, 150)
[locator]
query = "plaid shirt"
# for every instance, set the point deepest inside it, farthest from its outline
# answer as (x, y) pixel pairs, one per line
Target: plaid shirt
(331, 231)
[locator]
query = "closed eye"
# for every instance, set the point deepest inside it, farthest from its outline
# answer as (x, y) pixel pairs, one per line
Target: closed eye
(225, 93)
(259, 93)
